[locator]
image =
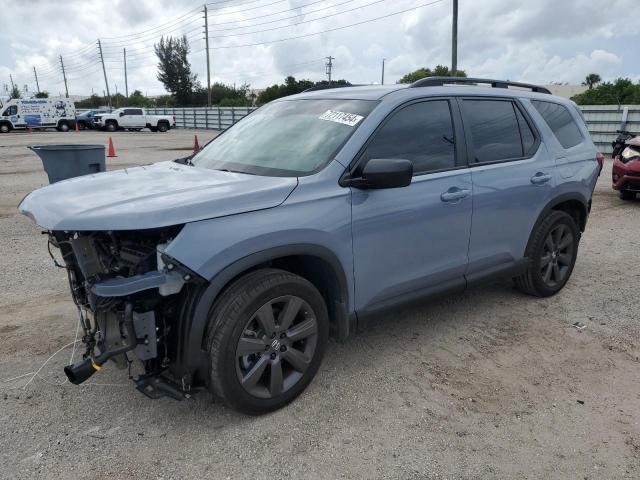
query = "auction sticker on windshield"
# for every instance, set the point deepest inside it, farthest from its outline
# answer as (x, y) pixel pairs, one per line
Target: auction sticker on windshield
(345, 118)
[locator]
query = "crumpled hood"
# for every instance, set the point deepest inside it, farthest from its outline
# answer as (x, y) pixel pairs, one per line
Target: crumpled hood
(151, 196)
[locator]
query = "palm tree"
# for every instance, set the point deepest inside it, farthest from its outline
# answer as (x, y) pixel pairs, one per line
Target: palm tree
(592, 80)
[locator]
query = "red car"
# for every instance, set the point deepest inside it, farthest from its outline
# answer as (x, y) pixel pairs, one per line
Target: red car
(626, 170)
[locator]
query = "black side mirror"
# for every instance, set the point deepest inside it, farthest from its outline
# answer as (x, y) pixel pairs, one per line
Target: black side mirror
(122, 114)
(384, 173)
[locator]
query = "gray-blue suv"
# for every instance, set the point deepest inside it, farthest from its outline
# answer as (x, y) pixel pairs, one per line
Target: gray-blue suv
(307, 218)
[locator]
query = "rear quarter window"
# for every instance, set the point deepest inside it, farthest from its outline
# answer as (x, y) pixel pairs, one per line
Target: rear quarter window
(560, 121)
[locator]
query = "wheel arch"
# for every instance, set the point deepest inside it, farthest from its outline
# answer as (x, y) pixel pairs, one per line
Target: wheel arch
(573, 204)
(317, 264)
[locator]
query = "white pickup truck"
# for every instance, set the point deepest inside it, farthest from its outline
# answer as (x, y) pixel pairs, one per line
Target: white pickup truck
(134, 119)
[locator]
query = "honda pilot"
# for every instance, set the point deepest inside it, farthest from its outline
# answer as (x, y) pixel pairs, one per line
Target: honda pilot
(231, 269)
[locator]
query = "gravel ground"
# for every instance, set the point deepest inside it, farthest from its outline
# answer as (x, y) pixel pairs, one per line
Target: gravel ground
(489, 384)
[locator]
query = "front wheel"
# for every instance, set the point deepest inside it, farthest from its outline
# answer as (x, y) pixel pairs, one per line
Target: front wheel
(627, 195)
(552, 254)
(266, 339)
(111, 127)
(4, 128)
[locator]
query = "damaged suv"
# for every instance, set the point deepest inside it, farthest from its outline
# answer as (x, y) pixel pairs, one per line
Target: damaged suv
(232, 268)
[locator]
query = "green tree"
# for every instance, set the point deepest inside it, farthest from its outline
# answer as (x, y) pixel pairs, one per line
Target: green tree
(438, 71)
(620, 92)
(291, 86)
(592, 80)
(174, 69)
(15, 92)
(137, 99)
(94, 101)
(42, 94)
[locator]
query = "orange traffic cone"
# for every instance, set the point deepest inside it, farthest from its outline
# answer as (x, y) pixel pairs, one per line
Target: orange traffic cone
(77, 127)
(196, 145)
(112, 151)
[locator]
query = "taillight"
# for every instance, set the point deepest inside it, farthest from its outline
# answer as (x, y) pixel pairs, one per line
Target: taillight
(174, 119)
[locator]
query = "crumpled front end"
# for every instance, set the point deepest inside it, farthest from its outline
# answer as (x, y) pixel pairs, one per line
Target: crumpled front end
(129, 295)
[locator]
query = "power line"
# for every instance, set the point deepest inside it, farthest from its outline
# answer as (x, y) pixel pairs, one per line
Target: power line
(294, 37)
(299, 23)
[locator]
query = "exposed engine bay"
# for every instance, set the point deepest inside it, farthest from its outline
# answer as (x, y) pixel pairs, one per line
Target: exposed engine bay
(128, 294)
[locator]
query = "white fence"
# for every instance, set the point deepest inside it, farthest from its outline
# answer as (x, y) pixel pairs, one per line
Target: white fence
(602, 120)
(203, 117)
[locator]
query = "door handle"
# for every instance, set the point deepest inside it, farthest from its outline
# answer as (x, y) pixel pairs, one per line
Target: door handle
(540, 178)
(454, 194)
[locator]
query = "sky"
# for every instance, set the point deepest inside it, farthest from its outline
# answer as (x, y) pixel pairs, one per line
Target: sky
(538, 41)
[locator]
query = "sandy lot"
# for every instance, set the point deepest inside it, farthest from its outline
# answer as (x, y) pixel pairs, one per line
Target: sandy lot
(490, 384)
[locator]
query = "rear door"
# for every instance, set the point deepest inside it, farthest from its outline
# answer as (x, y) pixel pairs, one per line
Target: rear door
(513, 178)
(412, 241)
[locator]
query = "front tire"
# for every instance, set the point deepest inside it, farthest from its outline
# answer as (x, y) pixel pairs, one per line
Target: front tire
(627, 195)
(266, 338)
(4, 128)
(552, 254)
(111, 127)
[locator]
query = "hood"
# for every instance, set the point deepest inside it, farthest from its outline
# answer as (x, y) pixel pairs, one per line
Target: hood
(152, 196)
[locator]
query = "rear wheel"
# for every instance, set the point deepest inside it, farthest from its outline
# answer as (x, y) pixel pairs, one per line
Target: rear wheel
(627, 195)
(163, 127)
(266, 338)
(552, 255)
(63, 127)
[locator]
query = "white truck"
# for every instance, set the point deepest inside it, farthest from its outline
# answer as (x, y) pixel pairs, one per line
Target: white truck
(22, 113)
(134, 119)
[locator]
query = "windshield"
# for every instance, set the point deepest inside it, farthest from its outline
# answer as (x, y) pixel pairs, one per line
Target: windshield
(286, 138)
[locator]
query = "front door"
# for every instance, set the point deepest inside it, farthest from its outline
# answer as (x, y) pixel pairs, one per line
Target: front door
(412, 241)
(132, 118)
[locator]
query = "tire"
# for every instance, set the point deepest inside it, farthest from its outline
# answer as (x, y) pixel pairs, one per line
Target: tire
(163, 127)
(552, 254)
(111, 126)
(63, 127)
(255, 367)
(627, 195)
(4, 128)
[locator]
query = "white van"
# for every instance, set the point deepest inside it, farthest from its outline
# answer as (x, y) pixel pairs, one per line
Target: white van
(20, 114)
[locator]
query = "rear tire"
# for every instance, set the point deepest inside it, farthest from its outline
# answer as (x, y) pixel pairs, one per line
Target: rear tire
(63, 127)
(266, 338)
(627, 195)
(163, 127)
(552, 253)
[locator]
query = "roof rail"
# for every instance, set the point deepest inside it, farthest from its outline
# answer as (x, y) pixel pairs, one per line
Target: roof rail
(441, 81)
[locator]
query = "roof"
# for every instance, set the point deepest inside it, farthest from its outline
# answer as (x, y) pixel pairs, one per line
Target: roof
(377, 92)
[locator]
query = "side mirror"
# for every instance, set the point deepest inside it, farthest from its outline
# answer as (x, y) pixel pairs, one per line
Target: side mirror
(385, 173)
(121, 114)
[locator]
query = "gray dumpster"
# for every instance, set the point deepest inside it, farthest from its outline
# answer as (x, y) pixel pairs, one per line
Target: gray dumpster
(67, 161)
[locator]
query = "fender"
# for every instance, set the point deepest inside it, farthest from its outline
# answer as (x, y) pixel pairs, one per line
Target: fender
(554, 202)
(192, 357)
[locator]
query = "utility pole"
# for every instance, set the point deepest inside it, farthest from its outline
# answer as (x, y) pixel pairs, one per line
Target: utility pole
(454, 40)
(104, 70)
(36, 75)
(382, 81)
(126, 85)
(12, 85)
(64, 76)
(329, 66)
(206, 43)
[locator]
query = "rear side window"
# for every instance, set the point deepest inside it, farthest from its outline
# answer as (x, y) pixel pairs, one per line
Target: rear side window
(494, 129)
(560, 122)
(133, 111)
(527, 135)
(421, 132)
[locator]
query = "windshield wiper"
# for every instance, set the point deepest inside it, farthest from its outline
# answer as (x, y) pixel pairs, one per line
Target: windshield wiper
(234, 171)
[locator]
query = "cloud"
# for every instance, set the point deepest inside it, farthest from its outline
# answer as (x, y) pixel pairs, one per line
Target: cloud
(541, 41)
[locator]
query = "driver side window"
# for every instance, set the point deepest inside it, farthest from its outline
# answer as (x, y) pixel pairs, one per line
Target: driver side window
(12, 110)
(421, 132)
